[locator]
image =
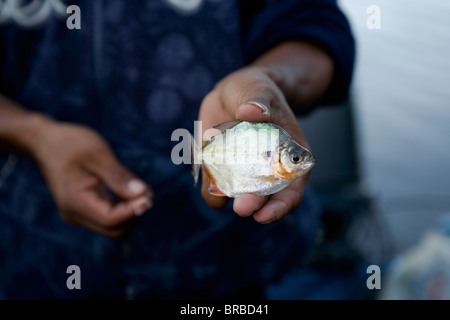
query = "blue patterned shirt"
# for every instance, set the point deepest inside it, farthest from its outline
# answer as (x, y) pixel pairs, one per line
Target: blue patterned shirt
(136, 71)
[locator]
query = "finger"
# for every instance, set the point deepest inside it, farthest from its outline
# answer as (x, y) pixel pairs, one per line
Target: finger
(246, 86)
(274, 210)
(281, 203)
(85, 219)
(253, 112)
(119, 179)
(256, 98)
(93, 206)
(97, 212)
(112, 232)
(246, 204)
(213, 201)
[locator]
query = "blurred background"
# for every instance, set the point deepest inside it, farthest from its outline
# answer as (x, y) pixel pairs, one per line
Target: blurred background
(387, 152)
(402, 97)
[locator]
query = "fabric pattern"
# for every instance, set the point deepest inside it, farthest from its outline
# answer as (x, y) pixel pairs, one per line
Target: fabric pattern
(136, 71)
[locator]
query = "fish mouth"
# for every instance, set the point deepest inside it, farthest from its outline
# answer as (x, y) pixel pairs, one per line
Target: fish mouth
(307, 163)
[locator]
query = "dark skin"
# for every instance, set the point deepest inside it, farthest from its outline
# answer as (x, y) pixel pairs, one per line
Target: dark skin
(293, 72)
(78, 164)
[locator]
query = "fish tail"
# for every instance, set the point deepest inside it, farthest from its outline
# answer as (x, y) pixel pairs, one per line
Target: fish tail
(196, 159)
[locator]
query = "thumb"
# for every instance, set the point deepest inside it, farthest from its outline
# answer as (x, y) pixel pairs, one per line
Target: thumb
(250, 95)
(253, 111)
(120, 180)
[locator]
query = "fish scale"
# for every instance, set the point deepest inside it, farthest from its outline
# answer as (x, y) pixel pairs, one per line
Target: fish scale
(251, 158)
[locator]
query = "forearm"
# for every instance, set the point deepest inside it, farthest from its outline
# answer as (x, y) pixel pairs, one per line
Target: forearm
(301, 70)
(19, 128)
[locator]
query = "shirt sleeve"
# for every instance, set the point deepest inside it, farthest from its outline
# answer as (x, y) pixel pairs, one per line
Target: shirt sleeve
(321, 22)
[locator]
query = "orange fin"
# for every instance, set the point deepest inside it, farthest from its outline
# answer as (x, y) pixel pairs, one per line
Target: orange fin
(215, 191)
(208, 173)
(213, 188)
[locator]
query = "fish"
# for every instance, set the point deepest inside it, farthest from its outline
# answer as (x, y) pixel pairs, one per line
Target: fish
(247, 157)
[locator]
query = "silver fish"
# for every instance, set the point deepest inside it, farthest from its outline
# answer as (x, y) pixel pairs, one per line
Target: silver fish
(258, 158)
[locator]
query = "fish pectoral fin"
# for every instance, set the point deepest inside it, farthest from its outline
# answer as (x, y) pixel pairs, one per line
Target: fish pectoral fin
(269, 179)
(227, 125)
(215, 191)
(213, 188)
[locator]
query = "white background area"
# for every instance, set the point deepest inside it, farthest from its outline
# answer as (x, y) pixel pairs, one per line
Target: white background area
(402, 100)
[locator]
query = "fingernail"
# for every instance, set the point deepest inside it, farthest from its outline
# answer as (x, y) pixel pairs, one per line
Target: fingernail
(136, 186)
(141, 205)
(260, 105)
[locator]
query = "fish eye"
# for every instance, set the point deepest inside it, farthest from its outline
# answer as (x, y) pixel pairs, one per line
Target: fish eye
(296, 157)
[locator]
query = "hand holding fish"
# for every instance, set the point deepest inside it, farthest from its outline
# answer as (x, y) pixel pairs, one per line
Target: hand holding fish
(259, 94)
(230, 101)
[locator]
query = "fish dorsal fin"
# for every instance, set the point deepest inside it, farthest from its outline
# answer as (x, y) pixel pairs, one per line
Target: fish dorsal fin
(227, 125)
